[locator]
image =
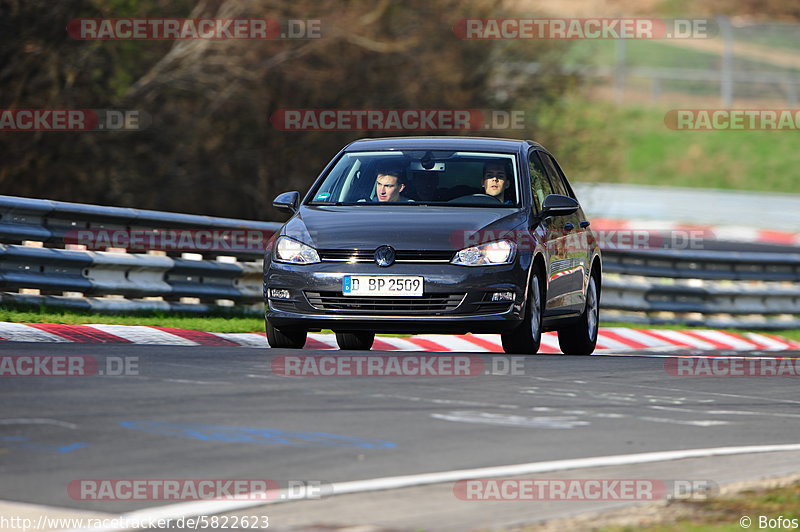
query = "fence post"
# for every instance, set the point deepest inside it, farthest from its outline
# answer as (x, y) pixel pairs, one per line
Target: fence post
(726, 75)
(619, 72)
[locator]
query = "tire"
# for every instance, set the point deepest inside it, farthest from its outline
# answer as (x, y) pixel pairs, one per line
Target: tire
(527, 337)
(361, 341)
(285, 338)
(580, 339)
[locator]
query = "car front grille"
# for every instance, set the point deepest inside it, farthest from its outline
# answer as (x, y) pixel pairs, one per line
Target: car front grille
(492, 307)
(283, 304)
(368, 255)
(426, 304)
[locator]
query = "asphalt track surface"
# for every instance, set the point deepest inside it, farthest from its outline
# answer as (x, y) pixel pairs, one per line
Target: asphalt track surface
(164, 423)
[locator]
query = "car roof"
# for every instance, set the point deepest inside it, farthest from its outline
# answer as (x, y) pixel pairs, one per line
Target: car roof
(441, 143)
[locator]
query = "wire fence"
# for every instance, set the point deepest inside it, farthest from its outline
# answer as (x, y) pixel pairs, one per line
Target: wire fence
(744, 63)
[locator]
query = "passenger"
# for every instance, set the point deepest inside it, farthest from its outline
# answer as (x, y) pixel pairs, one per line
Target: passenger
(495, 180)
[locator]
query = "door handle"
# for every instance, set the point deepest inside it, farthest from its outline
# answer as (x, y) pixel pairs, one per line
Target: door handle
(585, 224)
(569, 227)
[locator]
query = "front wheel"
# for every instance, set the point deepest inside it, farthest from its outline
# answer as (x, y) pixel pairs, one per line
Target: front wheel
(525, 339)
(285, 338)
(361, 341)
(581, 338)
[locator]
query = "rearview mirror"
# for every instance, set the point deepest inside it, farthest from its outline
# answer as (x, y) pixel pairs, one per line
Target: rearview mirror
(287, 200)
(558, 205)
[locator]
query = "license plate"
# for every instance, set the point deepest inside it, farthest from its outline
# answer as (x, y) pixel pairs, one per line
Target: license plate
(382, 285)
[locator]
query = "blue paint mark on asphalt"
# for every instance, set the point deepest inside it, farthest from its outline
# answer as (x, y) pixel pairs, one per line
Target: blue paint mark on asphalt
(72, 447)
(230, 434)
(21, 442)
(14, 438)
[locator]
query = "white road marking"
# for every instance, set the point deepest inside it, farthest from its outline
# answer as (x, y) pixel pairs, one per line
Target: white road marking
(187, 381)
(663, 388)
(690, 422)
(725, 412)
(195, 508)
(38, 421)
(508, 420)
(440, 401)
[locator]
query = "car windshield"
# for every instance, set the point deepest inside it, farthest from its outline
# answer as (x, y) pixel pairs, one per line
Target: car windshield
(421, 177)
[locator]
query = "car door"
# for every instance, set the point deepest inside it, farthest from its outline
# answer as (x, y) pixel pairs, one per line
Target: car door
(552, 226)
(574, 268)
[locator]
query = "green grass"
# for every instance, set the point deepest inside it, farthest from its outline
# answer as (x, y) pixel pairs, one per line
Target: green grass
(643, 53)
(722, 514)
(601, 142)
(776, 35)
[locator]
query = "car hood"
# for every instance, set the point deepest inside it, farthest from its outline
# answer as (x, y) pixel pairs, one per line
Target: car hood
(402, 227)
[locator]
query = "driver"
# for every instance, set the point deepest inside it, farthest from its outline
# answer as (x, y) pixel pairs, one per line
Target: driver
(389, 184)
(495, 180)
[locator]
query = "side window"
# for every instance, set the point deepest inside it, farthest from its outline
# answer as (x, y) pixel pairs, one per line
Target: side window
(540, 185)
(564, 179)
(555, 176)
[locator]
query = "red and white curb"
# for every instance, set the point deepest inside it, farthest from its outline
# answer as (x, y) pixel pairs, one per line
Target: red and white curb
(610, 339)
(730, 233)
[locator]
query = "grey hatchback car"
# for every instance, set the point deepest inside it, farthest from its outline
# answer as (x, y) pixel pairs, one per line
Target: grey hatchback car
(435, 234)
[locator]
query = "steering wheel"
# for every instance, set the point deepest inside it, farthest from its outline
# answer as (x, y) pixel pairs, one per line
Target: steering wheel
(476, 198)
(481, 195)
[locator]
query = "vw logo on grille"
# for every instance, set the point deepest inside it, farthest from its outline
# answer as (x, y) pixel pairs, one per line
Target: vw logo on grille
(384, 256)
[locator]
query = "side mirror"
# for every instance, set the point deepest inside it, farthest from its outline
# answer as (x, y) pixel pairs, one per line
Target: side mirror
(558, 205)
(287, 200)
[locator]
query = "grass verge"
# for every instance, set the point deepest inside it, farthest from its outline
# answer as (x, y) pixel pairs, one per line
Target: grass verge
(601, 142)
(723, 514)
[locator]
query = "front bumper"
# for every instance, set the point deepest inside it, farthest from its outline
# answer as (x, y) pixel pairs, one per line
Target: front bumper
(456, 298)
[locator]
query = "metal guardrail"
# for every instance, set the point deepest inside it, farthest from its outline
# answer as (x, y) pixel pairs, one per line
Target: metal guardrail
(625, 294)
(119, 280)
(698, 287)
(49, 222)
(653, 286)
(709, 265)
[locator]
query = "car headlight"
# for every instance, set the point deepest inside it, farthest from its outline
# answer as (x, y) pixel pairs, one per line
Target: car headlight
(498, 252)
(290, 250)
